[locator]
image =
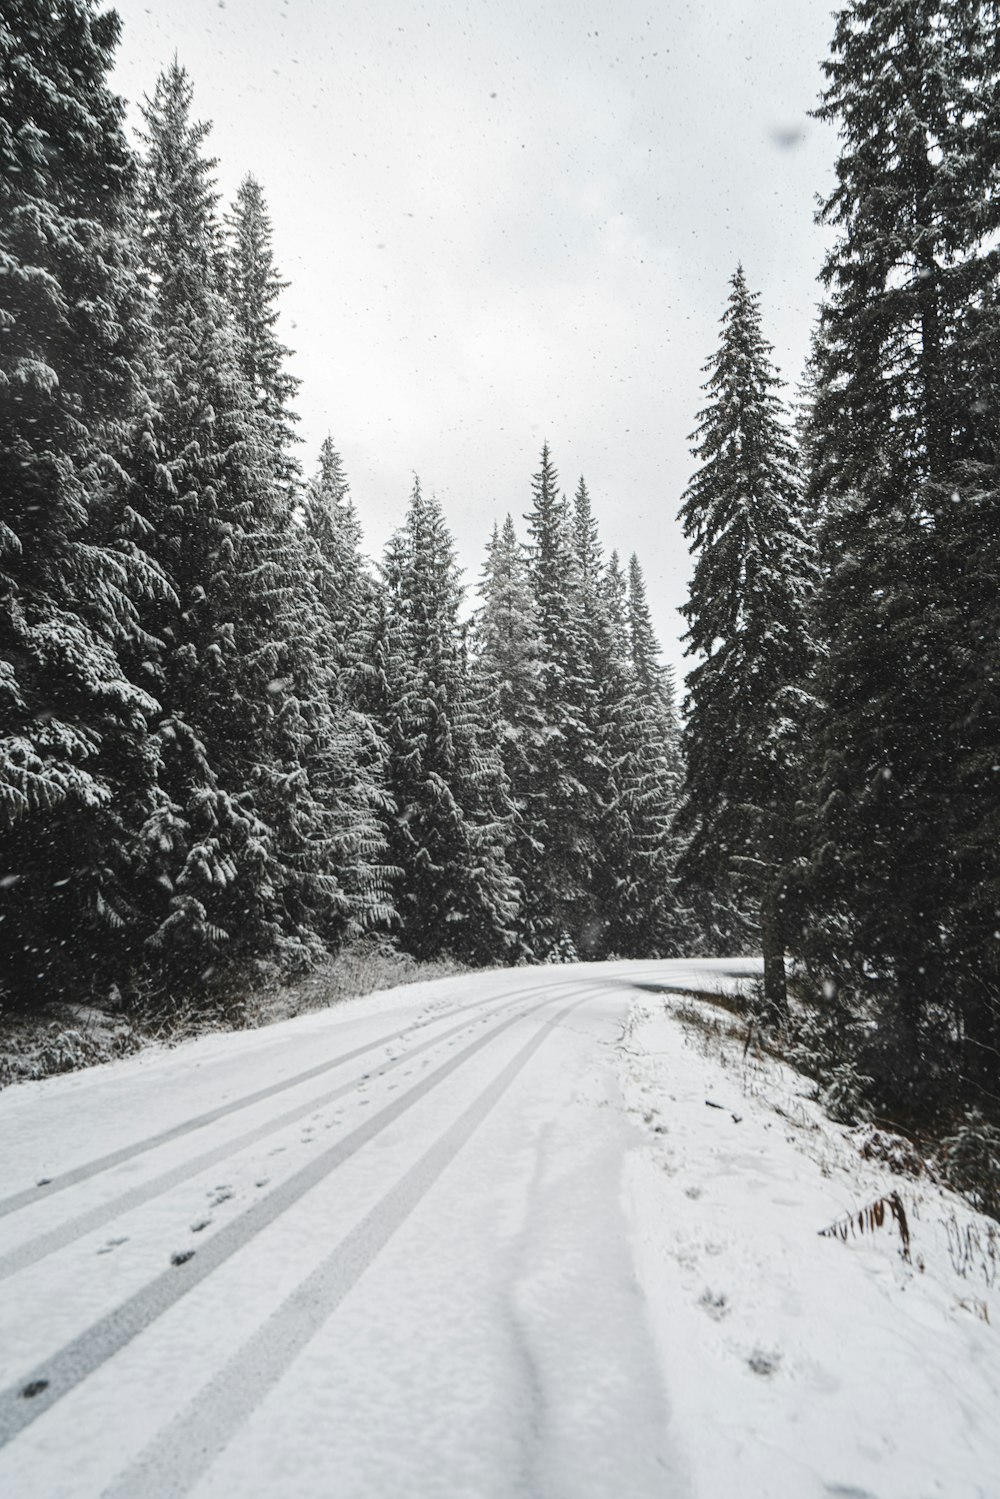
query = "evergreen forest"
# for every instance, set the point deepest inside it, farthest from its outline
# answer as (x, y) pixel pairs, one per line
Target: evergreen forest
(231, 744)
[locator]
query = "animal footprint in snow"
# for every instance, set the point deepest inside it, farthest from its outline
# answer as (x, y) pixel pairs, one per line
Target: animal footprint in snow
(112, 1244)
(182, 1256)
(763, 1362)
(693, 1192)
(222, 1194)
(196, 1228)
(714, 1303)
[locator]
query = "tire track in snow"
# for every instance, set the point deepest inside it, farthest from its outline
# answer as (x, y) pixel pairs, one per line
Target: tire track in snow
(47, 1188)
(173, 1461)
(53, 1239)
(70, 1365)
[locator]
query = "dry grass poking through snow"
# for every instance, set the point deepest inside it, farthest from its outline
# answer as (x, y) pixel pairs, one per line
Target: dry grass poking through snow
(827, 1308)
(68, 1037)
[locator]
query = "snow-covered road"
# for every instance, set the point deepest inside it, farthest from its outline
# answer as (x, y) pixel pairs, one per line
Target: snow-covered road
(376, 1250)
(451, 1240)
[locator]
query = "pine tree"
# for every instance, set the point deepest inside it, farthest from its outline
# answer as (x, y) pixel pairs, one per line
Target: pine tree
(254, 286)
(77, 766)
(656, 681)
(330, 519)
(604, 752)
(206, 483)
(449, 834)
(507, 662)
(614, 590)
(902, 886)
(560, 806)
(745, 615)
(348, 759)
(657, 779)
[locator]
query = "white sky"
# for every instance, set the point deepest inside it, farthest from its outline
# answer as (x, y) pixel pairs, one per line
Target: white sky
(506, 222)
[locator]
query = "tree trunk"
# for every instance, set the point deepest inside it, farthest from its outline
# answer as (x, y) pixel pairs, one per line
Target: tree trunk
(773, 947)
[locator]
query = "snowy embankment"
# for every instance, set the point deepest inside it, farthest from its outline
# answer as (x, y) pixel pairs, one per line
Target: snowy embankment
(851, 1364)
(516, 1233)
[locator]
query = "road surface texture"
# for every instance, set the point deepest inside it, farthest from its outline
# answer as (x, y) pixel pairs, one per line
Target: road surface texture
(376, 1251)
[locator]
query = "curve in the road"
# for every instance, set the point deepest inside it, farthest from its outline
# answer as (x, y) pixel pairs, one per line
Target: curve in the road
(40, 1190)
(31, 1250)
(23, 1402)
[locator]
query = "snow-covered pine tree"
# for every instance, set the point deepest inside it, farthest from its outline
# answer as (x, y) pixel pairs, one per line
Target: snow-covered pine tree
(323, 770)
(746, 627)
(223, 883)
(636, 841)
(656, 779)
(614, 591)
(903, 884)
(329, 518)
(77, 766)
(560, 813)
(607, 748)
(337, 627)
(451, 827)
(655, 680)
(507, 660)
(254, 286)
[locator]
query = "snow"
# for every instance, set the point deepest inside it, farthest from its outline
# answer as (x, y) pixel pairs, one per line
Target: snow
(506, 1249)
(810, 1365)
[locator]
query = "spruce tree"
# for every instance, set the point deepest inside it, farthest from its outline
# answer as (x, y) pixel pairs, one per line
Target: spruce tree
(448, 836)
(254, 286)
(746, 627)
(329, 518)
(348, 754)
(507, 661)
(614, 590)
(206, 484)
(657, 778)
(77, 765)
(560, 804)
(902, 883)
(604, 708)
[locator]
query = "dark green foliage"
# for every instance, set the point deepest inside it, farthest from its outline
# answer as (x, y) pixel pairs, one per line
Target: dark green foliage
(330, 521)
(77, 767)
(746, 628)
(253, 287)
(222, 744)
(901, 890)
(246, 857)
(587, 734)
(508, 664)
(449, 834)
(345, 755)
(628, 767)
(561, 804)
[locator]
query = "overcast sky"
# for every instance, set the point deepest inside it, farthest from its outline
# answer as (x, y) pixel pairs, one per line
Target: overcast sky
(506, 222)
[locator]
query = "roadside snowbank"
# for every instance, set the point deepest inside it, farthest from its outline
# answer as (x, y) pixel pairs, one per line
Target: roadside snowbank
(796, 1364)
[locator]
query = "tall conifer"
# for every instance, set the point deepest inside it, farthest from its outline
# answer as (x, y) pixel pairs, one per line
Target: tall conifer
(560, 803)
(746, 628)
(77, 766)
(448, 837)
(902, 885)
(206, 484)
